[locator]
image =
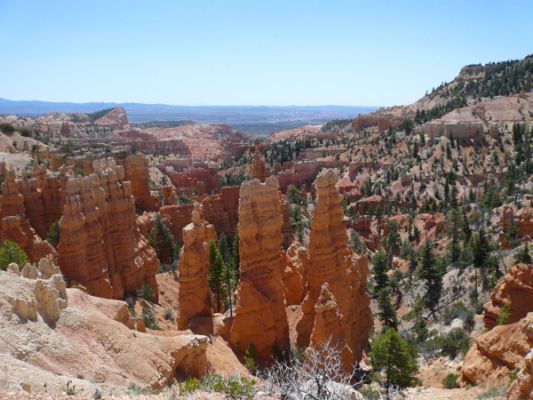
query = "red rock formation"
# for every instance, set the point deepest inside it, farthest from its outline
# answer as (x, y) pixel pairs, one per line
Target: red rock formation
(332, 262)
(136, 171)
(498, 352)
(43, 198)
(515, 290)
(522, 388)
(523, 220)
(194, 300)
(328, 328)
(115, 117)
(100, 244)
(178, 217)
(221, 210)
(14, 224)
(259, 169)
(200, 179)
(260, 317)
(293, 274)
(382, 121)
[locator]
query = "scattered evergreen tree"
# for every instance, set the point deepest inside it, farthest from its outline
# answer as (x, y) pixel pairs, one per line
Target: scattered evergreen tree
(387, 313)
(379, 261)
(523, 256)
(390, 356)
(224, 249)
(431, 273)
(480, 254)
(216, 267)
(454, 230)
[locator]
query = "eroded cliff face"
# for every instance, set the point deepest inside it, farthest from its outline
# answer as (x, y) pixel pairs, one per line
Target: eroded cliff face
(522, 388)
(332, 262)
(221, 210)
(516, 291)
(43, 198)
(193, 293)
(293, 274)
(260, 317)
(15, 225)
(498, 352)
(136, 172)
(100, 244)
(83, 339)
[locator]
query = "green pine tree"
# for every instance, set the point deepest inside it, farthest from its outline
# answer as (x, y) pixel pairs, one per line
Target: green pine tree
(216, 266)
(379, 261)
(390, 356)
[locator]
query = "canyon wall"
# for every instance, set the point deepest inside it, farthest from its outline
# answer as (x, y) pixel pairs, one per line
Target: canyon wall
(100, 244)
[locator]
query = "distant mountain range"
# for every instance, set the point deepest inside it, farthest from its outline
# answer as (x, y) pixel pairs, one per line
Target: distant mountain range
(255, 120)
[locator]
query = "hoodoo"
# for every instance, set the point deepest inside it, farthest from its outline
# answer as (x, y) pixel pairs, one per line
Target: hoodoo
(260, 318)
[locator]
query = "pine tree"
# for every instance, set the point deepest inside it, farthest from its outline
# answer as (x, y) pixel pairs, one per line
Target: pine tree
(235, 258)
(223, 247)
(480, 254)
(387, 313)
(454, 228)
(216, 266)
(379, 261)
(391, 356)
(431, 273)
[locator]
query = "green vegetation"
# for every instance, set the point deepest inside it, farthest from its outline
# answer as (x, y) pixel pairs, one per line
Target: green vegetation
(450, 381)
(10, 252)
(393, 362)
(235, 388)
(164, 243)
(7, 128)
(52, 236)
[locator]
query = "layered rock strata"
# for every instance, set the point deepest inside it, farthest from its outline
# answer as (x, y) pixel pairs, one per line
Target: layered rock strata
(260, 318)
(193, 293)
(332, 262)
(100, 244)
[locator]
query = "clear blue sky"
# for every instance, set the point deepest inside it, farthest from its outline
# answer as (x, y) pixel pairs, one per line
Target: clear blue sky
(251, 52)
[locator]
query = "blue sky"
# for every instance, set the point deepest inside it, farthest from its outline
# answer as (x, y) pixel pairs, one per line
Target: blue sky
(250, 52)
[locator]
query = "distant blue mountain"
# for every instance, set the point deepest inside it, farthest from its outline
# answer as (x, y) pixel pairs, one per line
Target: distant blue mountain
(256, 120)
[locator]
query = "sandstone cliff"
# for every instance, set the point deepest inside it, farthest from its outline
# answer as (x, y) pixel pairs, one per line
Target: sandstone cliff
(100, 244)
(136, 172)
(194, 296)
(221, 210)
(498, 352)
(260, 317)
(15, 226)
(516, 291)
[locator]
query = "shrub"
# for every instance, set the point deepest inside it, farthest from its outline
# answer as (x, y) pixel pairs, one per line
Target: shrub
(504, 315)
(458, 310)
(250, 355)
(11, 252)
(450, 381)
(145, 292)
(7, 128)
(149, 319)
(52, 236)
(454, 343)
(235, 388)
